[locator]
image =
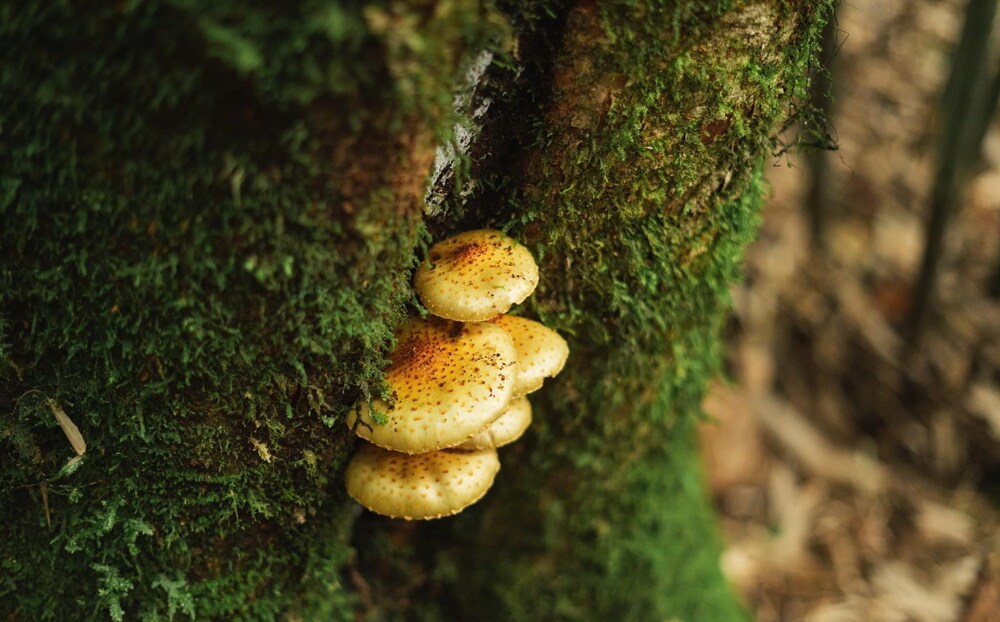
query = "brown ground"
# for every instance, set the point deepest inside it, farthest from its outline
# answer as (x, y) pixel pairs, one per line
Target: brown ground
(855, 483)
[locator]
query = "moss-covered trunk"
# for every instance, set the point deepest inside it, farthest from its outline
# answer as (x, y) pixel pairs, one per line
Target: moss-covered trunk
(208, 215)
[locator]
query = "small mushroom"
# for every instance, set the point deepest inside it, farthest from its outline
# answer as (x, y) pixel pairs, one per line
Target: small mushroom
(420, 486)
(449, 381)
(506, 429)
(475, 276)
(541, 352)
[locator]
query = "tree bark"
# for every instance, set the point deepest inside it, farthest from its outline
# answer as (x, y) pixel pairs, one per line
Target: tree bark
(208, 218)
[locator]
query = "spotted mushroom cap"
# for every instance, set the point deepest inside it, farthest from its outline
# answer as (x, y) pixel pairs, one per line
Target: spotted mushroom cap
(449, 381)
(420, 486)
(506, 429)
(475, 276)
(541, 352)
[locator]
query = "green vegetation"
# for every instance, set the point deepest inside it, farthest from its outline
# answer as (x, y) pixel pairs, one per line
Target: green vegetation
(208, 214)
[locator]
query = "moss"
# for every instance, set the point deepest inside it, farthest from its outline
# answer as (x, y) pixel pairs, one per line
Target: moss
(207, 215)
(600, 512)
(199, 276)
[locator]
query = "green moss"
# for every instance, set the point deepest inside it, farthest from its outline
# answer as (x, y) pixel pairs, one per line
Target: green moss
(600, 512)
(194, 275)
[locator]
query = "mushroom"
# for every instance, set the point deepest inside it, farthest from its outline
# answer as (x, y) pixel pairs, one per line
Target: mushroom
(449, 381)
(506, 429)
(541, 352)
(421, 486)
(475, 276)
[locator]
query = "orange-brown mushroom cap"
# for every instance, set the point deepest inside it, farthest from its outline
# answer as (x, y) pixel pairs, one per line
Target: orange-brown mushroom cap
(420, 486)
(449, 381)
(541, 351)
(475, 276)
(506, 429)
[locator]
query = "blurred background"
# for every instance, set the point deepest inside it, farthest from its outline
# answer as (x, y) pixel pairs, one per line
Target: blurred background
(854, 452)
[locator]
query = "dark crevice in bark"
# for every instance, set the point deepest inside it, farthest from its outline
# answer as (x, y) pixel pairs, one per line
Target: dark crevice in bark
(521, 88)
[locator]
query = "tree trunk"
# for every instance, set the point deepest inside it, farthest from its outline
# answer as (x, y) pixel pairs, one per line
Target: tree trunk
(208, 217)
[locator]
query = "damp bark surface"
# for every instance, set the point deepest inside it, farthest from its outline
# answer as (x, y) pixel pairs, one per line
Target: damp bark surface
(209, 217)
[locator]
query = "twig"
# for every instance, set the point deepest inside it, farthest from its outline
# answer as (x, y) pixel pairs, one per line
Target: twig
(68, 427)
(964, 98)
(45, 503)
(783, 423)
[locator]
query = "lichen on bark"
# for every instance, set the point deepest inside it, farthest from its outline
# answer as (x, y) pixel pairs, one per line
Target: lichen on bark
(208, 214)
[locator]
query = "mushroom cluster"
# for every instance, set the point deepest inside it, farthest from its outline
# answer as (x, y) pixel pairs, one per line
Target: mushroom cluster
(458, 381)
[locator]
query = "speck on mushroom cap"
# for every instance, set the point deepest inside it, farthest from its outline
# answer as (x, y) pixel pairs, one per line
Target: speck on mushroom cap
(420, 486)
(475, 276)
(506, 429)
(541, 352)
(449, 380)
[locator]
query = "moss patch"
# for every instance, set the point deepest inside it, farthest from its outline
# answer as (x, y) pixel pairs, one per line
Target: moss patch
(207, 216)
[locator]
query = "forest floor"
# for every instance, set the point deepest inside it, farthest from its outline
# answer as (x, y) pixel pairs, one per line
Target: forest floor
(855, 482)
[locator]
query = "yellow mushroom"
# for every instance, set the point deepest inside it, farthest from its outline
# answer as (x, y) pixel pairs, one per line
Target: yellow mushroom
(475, 276)
(449, 381)
(421, 486)
(506, 429)
(541, 352)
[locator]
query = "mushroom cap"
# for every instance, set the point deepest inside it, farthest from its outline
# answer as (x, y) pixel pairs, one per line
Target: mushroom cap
(506, 429)
(475, 276)
(449, 381)
(541, 351)
(420, 486)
